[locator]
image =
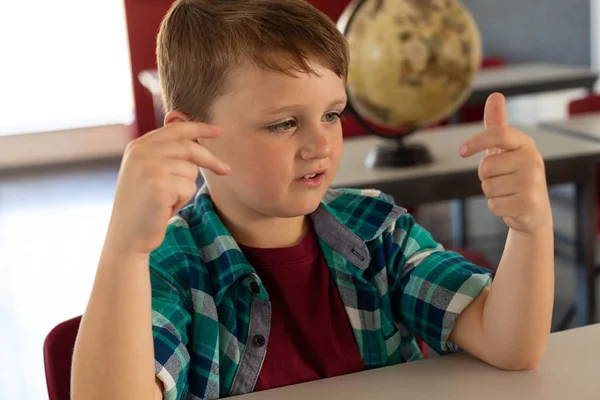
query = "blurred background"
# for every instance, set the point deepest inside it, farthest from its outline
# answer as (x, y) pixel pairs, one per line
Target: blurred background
(77, 83)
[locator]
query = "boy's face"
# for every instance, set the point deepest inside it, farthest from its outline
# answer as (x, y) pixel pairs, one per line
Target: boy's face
(277, 129)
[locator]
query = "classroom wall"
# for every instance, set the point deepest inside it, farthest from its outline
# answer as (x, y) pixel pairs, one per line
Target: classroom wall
(535, 30)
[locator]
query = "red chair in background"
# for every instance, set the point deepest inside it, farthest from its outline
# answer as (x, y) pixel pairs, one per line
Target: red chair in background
(58, 353)
(492, 61)
(586, 105)
(332, 8)
(143, 19)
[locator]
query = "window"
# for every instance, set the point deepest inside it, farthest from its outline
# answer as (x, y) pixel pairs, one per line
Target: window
(65, 64)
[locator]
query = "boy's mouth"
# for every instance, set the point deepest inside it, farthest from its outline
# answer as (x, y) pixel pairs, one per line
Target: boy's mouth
(314, 180)
(314, 175)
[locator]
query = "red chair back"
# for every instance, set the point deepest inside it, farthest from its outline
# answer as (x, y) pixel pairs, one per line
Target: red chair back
(143, 20)
(491, 62)
(58, 354)
(333, 8)
(585, 105)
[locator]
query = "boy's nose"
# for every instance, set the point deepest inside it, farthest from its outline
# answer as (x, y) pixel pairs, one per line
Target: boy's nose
(317, 145)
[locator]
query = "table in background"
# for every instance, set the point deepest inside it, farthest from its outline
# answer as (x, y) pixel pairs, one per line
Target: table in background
(568, 370)
(567, 159)
(586, 126)
(528, 78)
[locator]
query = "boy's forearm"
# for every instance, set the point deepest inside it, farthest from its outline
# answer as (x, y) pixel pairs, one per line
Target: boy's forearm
(114, 352)
(517, 314)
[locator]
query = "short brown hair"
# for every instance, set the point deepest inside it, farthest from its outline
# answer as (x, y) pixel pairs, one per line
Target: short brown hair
(200, 42)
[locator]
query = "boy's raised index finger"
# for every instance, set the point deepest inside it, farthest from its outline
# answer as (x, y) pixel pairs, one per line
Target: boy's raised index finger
(187, 130)
(495, 111)
(195, 130)
(493, 138)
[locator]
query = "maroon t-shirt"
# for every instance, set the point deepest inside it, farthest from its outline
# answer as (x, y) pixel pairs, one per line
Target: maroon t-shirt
(311, 337)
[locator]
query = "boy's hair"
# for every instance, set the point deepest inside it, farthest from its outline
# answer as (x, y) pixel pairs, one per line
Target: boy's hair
(201, 42)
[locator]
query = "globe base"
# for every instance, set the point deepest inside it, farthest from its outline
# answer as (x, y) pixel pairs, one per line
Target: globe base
(398, 155)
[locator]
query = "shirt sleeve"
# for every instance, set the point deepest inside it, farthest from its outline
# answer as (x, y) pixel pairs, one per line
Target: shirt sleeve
(170, 323)
(431, 285)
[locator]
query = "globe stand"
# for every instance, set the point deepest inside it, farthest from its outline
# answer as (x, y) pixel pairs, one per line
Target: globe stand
(395, 153)
(398, 154)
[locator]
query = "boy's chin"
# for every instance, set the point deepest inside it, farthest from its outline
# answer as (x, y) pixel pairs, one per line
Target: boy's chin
(300, 207)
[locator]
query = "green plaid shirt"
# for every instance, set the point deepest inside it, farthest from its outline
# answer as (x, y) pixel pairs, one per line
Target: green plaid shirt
(211, 314)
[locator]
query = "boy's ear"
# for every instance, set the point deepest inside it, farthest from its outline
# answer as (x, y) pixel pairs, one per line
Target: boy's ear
(176, 116)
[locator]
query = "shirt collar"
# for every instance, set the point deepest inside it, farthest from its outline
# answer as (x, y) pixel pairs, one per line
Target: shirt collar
(345, 220)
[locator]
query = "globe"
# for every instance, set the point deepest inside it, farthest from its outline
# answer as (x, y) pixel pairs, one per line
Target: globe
(412, 62)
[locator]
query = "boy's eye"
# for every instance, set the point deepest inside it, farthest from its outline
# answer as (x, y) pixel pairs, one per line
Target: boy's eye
(282, 126)
(332, 116)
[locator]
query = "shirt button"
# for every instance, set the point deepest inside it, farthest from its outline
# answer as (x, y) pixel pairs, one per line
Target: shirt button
(255, 288)
(258, 340)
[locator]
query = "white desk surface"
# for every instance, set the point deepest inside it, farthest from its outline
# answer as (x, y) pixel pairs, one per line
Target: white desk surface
(570, 370)
(586, 126)
(443, 143)
(519, 73)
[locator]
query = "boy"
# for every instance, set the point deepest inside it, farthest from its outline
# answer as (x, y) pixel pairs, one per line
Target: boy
(269, 278)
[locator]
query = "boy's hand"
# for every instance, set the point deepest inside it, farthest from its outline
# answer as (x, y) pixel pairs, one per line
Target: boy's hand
(512, 172)
(157, 177)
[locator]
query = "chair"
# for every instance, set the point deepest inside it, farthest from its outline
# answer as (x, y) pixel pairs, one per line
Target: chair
(143, 19)
(492, 61)
(58, 353)
(585, 105)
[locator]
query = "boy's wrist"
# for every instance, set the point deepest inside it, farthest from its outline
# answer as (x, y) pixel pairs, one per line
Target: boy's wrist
(119, 251)
(543, 229)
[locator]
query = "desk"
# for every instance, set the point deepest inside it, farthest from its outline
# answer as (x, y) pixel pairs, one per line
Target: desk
(586, 126)
(528, 78)
(568, 160)
(569, 370)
